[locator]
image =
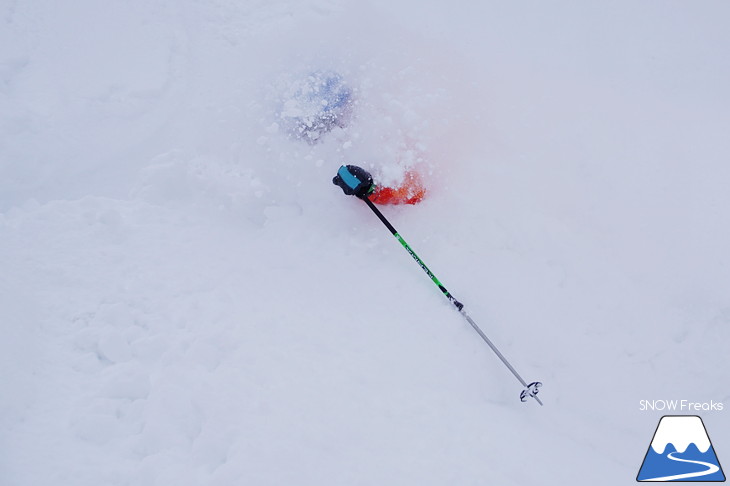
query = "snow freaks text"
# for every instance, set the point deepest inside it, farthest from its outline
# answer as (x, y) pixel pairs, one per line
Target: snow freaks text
(680, 406)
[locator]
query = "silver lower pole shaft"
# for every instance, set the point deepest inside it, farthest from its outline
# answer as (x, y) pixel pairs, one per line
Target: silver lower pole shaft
(496, 351)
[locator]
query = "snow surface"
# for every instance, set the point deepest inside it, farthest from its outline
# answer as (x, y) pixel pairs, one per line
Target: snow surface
(186, 299)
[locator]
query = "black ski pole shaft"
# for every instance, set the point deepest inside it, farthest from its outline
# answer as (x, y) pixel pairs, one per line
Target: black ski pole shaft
(531, 389)
(390, 227)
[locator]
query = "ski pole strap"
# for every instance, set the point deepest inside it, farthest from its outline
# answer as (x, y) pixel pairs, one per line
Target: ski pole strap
(403, 242)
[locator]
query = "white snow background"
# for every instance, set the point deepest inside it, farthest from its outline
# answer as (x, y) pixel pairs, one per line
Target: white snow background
(185, 298)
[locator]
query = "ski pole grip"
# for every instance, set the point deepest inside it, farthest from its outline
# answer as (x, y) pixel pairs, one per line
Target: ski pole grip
(354, 181)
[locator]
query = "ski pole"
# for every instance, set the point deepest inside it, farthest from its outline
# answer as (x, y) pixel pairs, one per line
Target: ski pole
(357, 181)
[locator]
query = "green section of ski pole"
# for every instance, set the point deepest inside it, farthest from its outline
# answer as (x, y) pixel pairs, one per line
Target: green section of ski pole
(390, 227)
(420, 262)
(435, 280)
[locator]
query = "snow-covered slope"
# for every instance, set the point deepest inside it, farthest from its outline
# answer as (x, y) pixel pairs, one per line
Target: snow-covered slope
(186, 299)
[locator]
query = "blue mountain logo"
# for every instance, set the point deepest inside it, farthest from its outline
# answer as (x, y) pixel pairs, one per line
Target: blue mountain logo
(681, 451)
